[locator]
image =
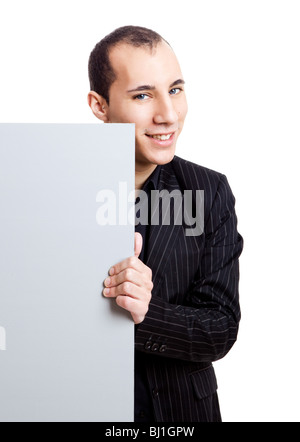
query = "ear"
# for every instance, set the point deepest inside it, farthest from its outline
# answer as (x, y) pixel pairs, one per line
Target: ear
(98, 105)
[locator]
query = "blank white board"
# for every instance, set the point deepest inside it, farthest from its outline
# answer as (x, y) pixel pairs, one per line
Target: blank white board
(68, 353)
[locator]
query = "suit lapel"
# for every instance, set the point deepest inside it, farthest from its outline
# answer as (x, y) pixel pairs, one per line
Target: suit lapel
(162, 238)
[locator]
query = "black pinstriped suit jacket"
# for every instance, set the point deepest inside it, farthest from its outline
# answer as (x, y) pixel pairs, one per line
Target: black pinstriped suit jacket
(194, 312)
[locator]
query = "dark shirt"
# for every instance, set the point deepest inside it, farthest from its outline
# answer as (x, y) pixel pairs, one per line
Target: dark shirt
(143, 408)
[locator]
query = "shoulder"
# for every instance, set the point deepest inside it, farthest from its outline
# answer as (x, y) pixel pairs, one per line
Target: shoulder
(191, 176)
(194, 176)
(185, 166)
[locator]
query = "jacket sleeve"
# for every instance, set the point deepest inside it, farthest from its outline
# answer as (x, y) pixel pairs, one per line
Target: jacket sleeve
(205, 328)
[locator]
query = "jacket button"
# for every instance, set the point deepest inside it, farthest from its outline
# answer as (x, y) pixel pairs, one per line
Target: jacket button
(163, 348)
(155, 347)
(155, 392)
(148, 345)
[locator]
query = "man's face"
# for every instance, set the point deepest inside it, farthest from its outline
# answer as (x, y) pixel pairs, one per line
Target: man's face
(148, 91)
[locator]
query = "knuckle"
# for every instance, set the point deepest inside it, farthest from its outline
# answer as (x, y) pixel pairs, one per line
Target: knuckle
(131, 261)
(126, 287)
(126, 302)
(149, 285)
(128, 274)
(134, 261)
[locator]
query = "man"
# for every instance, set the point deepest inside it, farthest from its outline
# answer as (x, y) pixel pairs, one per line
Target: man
(181, 290)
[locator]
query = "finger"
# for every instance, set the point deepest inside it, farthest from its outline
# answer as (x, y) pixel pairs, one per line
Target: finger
(132, 262)
(130, 275)
(128, 289)
(138, 244)
(127, 303)
(136, 308)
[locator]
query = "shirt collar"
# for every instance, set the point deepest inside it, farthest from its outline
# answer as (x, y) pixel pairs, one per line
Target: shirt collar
(153, 180)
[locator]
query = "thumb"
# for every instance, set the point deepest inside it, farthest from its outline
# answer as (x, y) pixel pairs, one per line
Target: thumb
(138, 244)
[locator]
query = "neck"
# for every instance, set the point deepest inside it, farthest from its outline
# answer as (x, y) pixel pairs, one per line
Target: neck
(141, 175)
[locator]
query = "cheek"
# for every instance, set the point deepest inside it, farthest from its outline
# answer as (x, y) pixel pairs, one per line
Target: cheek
(123, 112)
(183, 110)
(143, 121)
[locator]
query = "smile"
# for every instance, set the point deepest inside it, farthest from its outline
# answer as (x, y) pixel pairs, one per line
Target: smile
(161, 137)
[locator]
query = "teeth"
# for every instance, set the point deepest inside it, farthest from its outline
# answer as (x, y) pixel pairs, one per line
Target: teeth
(161, 137)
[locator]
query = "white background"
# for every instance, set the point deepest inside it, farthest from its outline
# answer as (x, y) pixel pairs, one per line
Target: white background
(241, 62)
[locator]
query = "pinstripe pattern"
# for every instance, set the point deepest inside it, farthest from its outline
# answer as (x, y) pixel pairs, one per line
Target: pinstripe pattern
(194, 312)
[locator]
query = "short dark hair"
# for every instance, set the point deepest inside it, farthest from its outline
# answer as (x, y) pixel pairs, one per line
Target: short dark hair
(101, 73)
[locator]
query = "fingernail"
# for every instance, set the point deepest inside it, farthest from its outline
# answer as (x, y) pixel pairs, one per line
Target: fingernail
(107, 281)
(112, 271)
(106, 292)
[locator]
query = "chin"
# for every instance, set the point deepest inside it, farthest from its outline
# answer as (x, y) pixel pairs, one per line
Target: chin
(164, 159)
(160, 157)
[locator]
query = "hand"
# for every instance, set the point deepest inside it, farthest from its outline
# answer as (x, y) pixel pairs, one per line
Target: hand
(130, 282)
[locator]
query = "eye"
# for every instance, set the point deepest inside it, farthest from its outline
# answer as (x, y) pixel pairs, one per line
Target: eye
(175, 91)
(141, 97)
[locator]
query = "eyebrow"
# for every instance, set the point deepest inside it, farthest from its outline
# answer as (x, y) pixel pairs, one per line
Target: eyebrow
(148, 87)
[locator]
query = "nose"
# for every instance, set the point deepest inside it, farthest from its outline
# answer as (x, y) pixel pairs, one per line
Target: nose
(165, 112)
